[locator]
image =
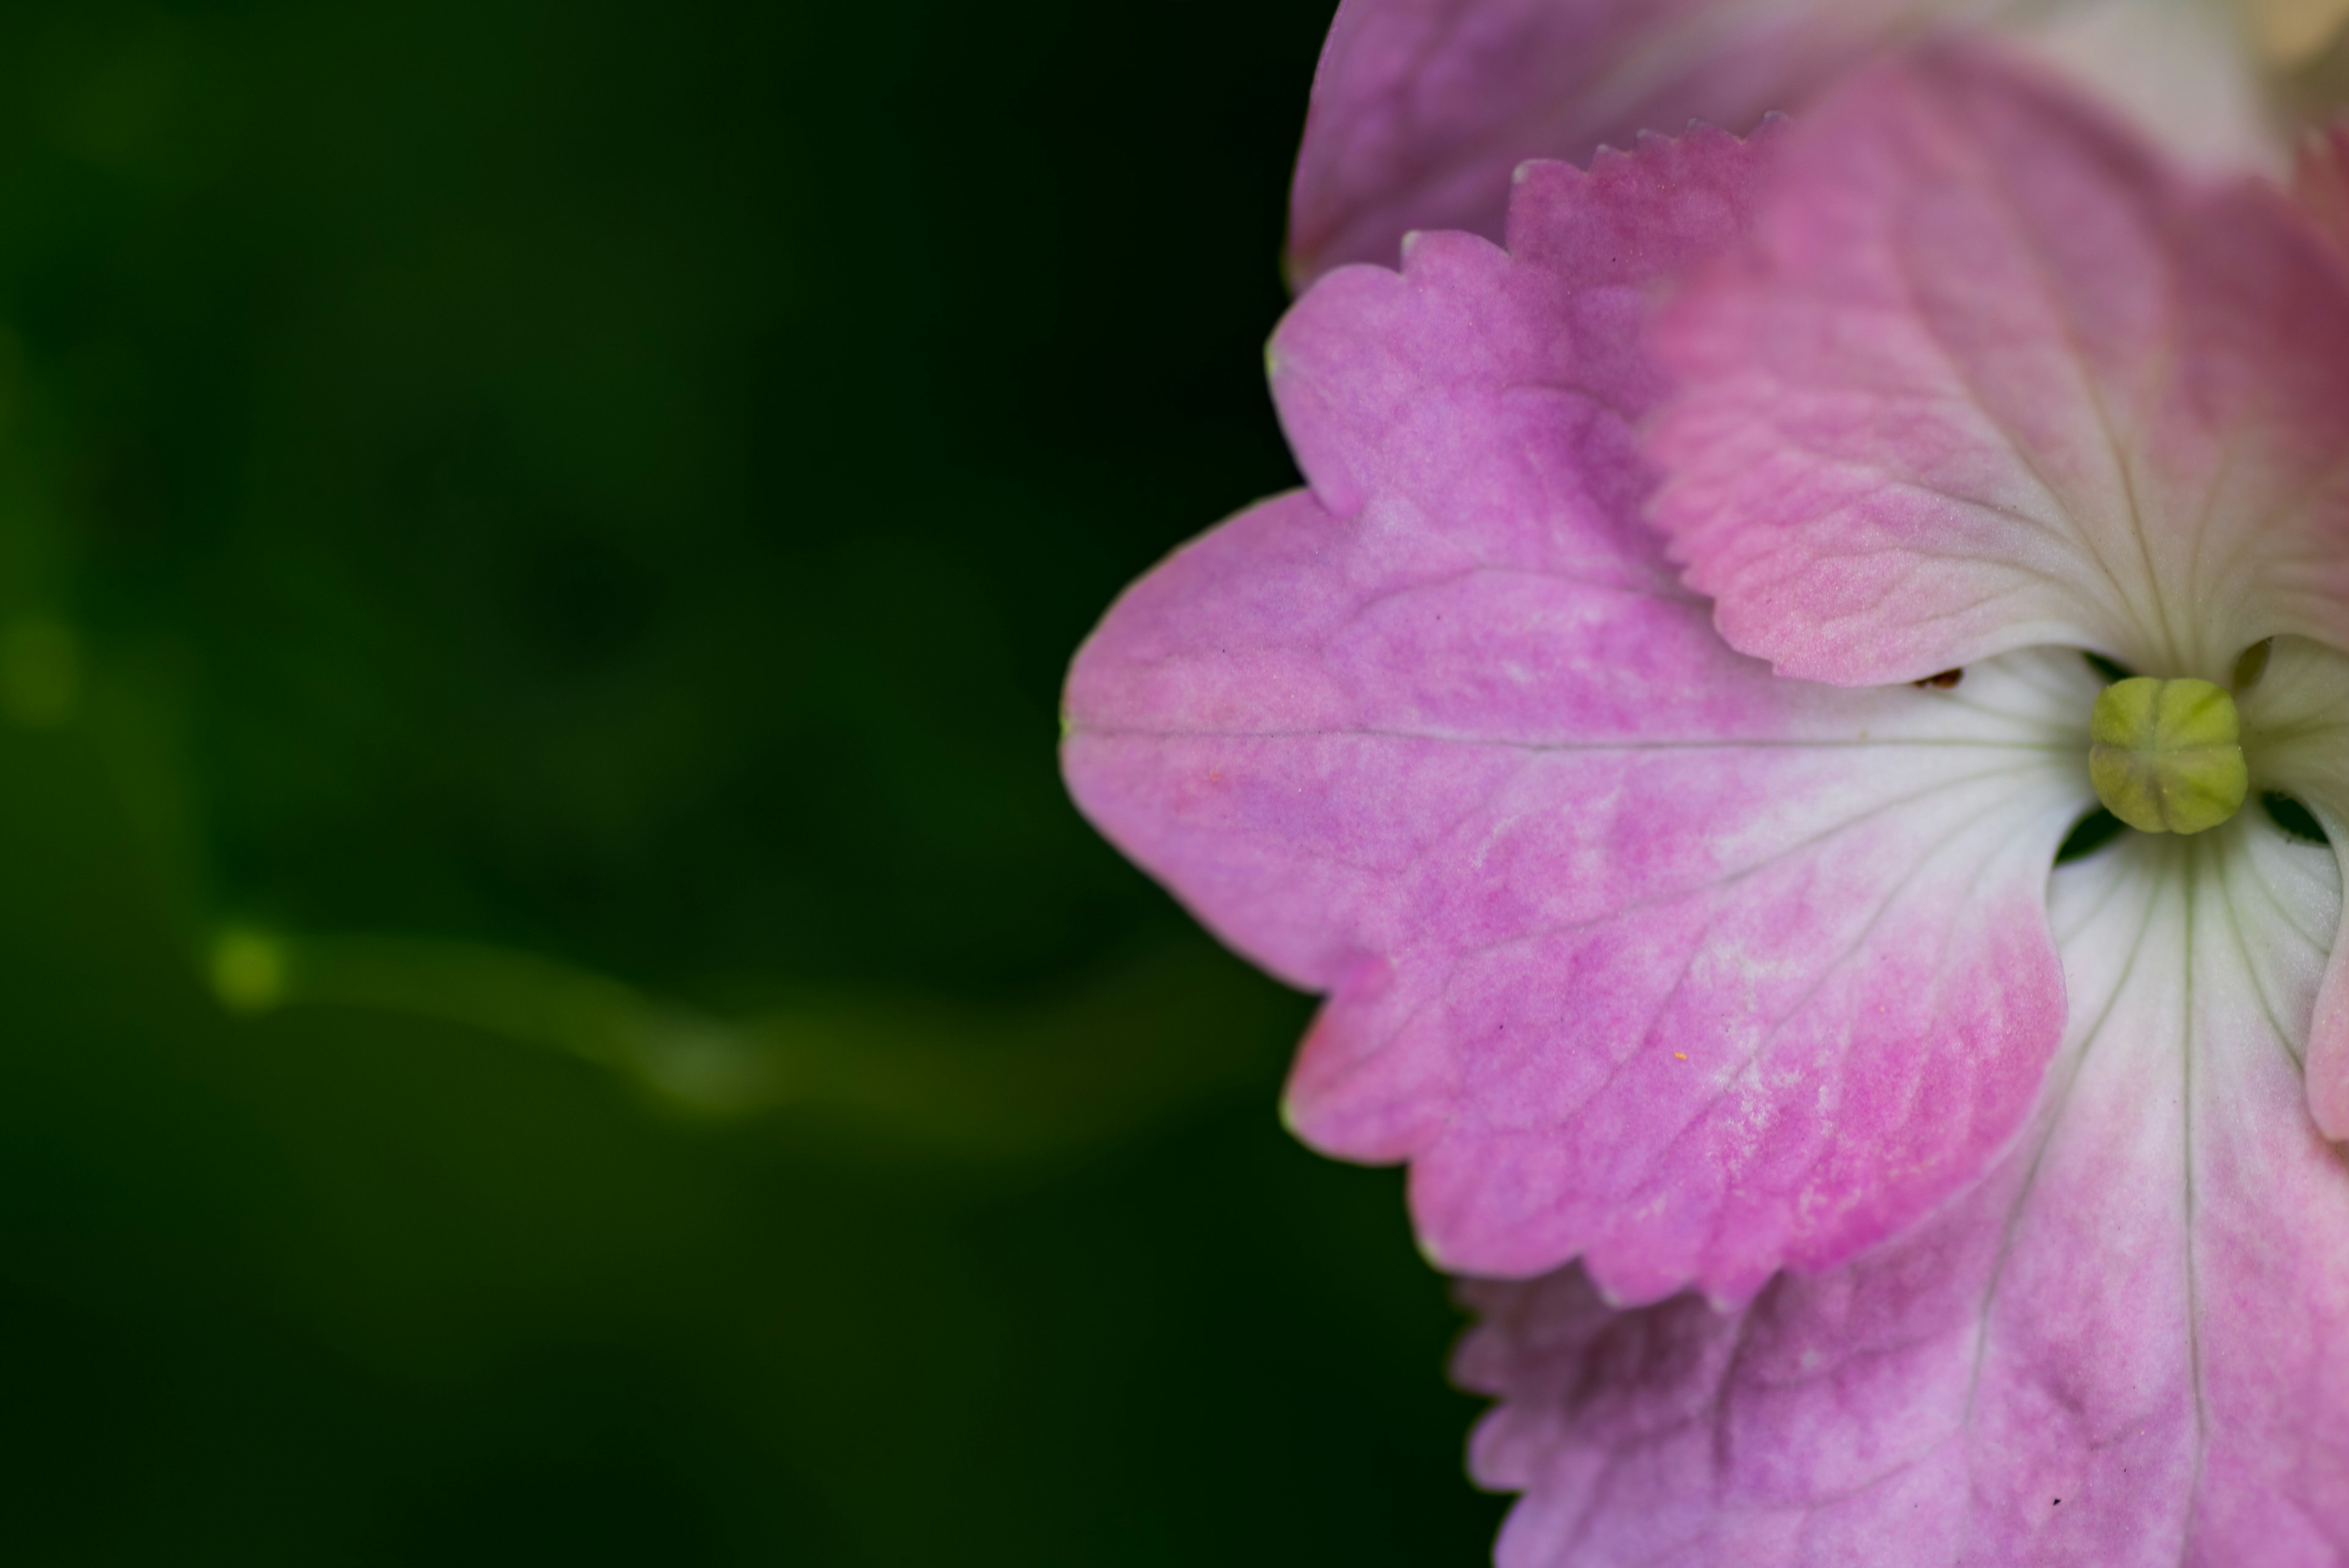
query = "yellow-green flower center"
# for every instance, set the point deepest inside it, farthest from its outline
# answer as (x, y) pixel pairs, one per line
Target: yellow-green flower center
(2166, 755)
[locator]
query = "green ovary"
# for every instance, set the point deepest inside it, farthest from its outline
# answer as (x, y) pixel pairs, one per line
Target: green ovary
(2166, 755)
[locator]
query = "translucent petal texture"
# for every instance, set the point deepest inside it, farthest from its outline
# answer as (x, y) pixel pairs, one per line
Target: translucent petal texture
(2128, 1346)
(1990, 374)
(1421, 108)
(1635, 951)
(2191, 74)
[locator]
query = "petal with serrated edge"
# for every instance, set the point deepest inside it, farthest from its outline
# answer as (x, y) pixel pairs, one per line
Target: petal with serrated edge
(2128, 1346)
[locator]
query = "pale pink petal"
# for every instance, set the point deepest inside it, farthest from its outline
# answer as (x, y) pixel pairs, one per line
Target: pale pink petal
(1990, 374)
(2186, 73)
(2129, 1347)
(1635, 951)
(1421, 108)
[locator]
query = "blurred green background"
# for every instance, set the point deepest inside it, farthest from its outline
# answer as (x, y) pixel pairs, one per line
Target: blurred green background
(555, 1009)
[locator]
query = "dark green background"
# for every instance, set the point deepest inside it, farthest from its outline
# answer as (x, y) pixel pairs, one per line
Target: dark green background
(611, 491)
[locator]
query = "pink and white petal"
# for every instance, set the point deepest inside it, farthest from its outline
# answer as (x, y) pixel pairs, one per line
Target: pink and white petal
(1480, 407)
(1421, 108)
(1635, 950)
(2128, 1345)
(1990, 374)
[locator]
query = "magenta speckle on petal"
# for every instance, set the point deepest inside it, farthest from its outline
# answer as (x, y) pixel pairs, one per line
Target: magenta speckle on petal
(2132, 1312)
(1683, 968)
(1652, 729)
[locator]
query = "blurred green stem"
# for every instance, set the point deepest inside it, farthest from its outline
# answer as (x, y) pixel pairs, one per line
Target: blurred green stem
(1144, 1040)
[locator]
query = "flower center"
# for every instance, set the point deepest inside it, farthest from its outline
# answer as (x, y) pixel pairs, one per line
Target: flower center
(2167, 756)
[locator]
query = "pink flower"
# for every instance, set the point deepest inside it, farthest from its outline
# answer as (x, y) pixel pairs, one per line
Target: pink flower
(1421, 108)
(1842, 1184)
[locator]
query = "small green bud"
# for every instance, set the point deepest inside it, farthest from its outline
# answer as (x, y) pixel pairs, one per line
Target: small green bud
(2167, 756)
(248, 970)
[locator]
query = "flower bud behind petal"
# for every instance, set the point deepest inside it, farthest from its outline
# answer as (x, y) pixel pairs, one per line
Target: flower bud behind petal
(2167, 756)
(2291, 32)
